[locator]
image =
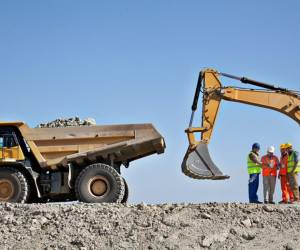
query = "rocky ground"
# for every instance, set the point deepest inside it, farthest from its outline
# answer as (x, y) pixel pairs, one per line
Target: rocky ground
(177, 226)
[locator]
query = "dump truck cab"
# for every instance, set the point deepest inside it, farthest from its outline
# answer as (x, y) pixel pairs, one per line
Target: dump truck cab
(15, 164)
(71, 163)
(10, 149)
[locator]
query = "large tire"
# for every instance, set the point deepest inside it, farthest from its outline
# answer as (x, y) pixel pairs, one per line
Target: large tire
(14, 186)
(99, 183)
(126, 194)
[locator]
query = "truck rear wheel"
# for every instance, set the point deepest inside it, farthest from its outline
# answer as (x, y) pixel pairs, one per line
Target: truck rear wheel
(126, 193)
(99, 183)
(14, 186)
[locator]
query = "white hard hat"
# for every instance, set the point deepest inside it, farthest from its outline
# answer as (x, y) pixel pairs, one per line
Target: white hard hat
(271, 149)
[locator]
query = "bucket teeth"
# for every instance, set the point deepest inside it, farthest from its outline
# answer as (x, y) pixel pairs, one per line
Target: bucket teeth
(197, 164)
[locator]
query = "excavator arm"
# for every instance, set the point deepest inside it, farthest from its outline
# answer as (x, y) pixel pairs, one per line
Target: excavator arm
(197, 162)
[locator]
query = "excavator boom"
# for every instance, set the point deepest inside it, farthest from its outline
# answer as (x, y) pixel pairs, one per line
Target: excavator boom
(197, 162)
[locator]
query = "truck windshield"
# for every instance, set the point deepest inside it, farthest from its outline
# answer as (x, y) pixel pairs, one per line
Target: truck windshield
(7, 141)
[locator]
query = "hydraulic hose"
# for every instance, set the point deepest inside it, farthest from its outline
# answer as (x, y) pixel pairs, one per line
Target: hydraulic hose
(254, 82)
(196, 98)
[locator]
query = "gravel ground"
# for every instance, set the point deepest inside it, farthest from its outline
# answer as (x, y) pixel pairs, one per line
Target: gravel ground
(167, 226)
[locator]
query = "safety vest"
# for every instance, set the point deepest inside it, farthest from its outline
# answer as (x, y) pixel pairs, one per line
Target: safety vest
(253, 168)
(266, 169)
(291, 163)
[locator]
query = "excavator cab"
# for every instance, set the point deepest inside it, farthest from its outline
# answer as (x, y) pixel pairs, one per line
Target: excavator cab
(197, 162)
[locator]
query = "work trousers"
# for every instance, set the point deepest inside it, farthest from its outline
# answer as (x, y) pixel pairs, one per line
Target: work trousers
(287, 194)
(253, 187)
(293, 181)
(269, 183)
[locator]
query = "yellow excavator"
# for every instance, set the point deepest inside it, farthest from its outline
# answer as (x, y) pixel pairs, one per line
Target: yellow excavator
(197, 162)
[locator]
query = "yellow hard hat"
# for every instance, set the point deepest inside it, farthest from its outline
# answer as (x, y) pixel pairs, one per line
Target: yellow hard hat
(288, 145)
(283, 146)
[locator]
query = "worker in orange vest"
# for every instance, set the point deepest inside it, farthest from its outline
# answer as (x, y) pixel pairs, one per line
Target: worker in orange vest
(270, 163)
(287, 194)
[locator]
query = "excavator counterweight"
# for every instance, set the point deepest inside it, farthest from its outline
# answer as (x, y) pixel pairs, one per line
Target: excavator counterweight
(197, 162)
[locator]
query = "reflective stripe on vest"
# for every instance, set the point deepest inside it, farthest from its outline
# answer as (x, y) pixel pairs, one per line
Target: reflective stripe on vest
(291, 163)
(253, 168)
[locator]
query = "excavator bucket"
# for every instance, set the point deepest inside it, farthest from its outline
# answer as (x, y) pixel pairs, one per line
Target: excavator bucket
(197, 164)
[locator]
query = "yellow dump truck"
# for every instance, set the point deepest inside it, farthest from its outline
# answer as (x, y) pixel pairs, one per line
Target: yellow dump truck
(72, 163)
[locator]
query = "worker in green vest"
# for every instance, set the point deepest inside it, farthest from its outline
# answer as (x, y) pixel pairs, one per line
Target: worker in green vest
(293, 169)
(254, 170)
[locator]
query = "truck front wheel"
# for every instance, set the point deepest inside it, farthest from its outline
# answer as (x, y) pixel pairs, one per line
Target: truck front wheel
(99, 183)
(14, 186)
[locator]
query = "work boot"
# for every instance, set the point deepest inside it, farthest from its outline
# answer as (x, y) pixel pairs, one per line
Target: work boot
(266, 202)
(283, 202)
(271, 202)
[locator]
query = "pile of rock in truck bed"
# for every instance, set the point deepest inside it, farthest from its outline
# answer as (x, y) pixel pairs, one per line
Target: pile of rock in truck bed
(166, 226)
(69, 122)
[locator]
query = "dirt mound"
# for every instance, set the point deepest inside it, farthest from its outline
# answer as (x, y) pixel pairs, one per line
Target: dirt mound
(177, 226)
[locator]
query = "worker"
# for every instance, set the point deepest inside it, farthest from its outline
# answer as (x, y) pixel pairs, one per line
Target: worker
(292, 171)
(287, 194)
(254, 170)
(270, 163)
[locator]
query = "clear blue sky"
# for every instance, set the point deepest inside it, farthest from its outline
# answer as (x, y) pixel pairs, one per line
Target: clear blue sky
(138, 61)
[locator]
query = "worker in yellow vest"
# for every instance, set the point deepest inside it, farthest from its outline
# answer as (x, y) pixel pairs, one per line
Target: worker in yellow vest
(293, 169)
(254, 170)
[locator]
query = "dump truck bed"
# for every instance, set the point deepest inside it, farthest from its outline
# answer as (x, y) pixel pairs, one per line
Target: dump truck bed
(55, 148)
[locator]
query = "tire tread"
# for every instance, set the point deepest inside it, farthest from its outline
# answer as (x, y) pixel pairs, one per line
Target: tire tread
(24, 183)
(120, 192)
